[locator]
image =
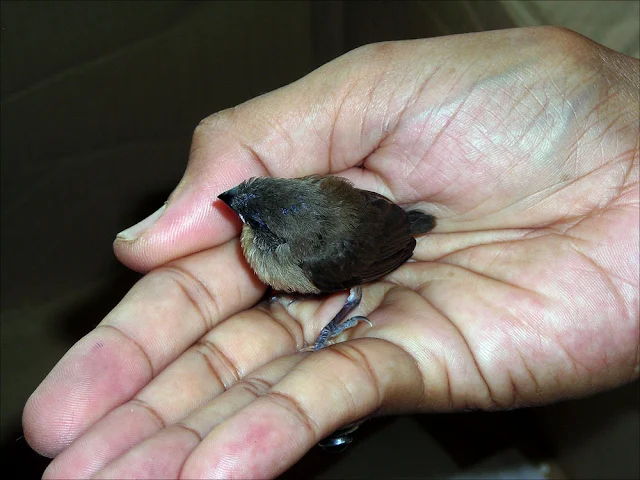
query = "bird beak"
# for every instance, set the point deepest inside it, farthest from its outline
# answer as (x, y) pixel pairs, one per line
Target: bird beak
(228, 196)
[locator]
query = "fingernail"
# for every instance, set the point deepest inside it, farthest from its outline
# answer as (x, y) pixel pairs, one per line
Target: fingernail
(134, 232)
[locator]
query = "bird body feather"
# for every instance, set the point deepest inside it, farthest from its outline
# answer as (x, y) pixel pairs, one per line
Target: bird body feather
(320, 234)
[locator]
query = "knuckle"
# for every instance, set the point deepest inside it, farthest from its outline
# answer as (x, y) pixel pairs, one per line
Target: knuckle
(295, 408)
(218, 121)
(256, 386)
(203, 301)
(222, 368)
(366, 374)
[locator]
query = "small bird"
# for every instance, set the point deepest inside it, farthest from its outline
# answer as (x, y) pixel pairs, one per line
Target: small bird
(320, 234)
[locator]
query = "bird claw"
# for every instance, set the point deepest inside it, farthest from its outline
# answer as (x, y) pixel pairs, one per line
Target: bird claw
(356, 320)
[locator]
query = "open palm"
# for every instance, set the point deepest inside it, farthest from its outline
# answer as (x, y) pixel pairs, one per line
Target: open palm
(525, 293)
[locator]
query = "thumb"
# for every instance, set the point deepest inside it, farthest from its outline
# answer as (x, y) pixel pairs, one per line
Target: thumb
(191, 220)
(225, 150)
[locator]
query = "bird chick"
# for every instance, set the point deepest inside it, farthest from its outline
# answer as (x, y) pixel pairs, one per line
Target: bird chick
(320, 234)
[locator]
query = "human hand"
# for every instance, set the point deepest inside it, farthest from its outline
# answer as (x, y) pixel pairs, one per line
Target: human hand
(523, 143)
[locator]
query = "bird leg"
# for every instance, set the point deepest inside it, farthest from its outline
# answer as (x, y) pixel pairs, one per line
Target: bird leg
(338, 325)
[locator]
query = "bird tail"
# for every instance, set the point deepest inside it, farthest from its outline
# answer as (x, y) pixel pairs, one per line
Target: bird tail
(420, 222)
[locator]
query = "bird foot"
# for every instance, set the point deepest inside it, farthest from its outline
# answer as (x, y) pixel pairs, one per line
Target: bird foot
(327, 333)
(339, 324)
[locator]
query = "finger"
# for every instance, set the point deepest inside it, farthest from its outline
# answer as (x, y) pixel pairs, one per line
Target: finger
(172, 446)
(326, 390)
(163, 314)
(214, 364)
(326, 122)
(436, 245)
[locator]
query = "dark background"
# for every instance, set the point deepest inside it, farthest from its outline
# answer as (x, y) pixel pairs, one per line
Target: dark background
(98, 103)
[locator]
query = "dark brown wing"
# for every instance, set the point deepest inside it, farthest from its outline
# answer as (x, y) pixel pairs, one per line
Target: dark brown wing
(381, 245)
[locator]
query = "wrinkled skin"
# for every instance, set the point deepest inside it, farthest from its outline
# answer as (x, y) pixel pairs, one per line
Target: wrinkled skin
(523, 143)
